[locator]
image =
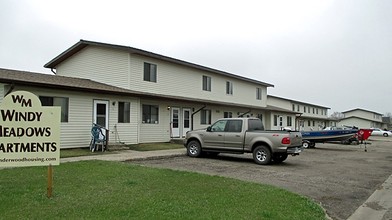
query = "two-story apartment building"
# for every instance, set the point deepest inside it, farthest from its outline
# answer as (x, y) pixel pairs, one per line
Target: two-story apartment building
(303, 116)
(137, 95)
(362, 118)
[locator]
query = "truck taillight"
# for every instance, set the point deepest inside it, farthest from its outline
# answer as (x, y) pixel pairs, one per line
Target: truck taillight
(286, 140)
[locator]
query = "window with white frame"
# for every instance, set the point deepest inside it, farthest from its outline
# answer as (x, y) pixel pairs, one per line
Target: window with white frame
(206, 83)
(57, 101)
(150, 72)
(258, 93)
(228, 114)
(124, 112)
(205, 117)
(229, 88)
(260, 116)
(289, 121)
(276, 120)
(150, 114)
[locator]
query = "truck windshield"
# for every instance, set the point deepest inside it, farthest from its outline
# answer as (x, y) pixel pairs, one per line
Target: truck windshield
(255, 124)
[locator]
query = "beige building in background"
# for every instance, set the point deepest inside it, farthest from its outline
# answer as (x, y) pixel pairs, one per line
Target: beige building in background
(361, 118)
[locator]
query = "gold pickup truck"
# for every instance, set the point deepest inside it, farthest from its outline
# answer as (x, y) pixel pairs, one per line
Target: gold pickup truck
(244, 135)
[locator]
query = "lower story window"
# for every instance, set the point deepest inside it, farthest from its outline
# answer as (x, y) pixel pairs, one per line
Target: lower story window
(205, 118)
(150, 114)
(124, 112)
(56, 101)
(289, 121)
(228, 114)
(275, 120)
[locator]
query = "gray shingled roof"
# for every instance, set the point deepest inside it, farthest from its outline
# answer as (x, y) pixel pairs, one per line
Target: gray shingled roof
(54, 81)
(84, 43)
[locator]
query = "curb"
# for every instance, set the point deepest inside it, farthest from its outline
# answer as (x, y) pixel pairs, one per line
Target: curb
(378, 205)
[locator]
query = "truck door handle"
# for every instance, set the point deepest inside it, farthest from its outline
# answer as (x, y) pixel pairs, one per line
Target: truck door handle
(238, 136)
(219, 135)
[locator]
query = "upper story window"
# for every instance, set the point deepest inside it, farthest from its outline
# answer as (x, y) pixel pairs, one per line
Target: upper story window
(57, 101)
(206, 83)
(229, 88)
(258, 93)
(124, 112)
(304, 109)
(297, 108)
(150, 72)
(293, 107)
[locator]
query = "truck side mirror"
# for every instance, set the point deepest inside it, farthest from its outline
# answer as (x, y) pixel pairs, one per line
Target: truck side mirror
(209, 128)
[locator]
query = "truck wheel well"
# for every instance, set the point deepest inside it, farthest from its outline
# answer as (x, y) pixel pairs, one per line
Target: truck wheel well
(193, 139)
(261, 143)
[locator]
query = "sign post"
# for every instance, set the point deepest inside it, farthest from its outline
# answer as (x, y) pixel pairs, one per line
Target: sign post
(29, 133)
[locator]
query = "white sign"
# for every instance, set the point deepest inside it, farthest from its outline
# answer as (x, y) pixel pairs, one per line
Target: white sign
(29, 132)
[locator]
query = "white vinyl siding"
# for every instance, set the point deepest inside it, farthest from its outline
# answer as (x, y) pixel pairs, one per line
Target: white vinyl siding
(76, 133)
(2, 92)
(119, 68)
(99, 64)
(177, 80)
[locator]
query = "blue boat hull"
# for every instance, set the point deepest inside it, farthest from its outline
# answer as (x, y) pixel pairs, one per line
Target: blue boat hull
(327, 135)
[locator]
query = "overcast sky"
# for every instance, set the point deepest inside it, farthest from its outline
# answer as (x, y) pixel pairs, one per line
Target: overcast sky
(336, 54)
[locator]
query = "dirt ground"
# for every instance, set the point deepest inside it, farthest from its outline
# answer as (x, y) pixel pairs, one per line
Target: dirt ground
(339, 177)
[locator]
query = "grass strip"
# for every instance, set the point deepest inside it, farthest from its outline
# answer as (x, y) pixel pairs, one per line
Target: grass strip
(113, 190)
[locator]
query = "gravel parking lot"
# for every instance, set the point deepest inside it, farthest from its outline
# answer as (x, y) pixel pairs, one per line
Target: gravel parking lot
(339, 177)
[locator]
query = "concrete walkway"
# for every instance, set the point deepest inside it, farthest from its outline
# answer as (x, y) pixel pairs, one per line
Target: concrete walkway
(377, 207)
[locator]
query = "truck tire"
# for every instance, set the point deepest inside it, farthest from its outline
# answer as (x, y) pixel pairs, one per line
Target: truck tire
(262, 155)
(279, 157)
(193, 149)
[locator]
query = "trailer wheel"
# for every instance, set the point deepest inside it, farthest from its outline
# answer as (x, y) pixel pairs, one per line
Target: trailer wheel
(305, 144)
(262, 155)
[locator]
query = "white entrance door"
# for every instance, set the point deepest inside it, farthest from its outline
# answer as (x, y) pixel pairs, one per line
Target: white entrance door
(101, 113)
(186, 121)
(175, 120)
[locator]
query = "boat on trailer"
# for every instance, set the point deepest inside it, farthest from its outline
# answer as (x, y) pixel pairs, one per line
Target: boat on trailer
(310, 138)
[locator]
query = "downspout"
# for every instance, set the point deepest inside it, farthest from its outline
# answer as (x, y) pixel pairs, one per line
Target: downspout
(242, 115)
(51, 69)
(194, 114)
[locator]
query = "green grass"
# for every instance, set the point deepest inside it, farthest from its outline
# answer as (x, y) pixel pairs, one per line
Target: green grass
(77, 152)
(113, 190)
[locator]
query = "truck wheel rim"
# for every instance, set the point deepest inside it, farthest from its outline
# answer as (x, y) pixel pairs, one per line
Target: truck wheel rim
(261, 156)
(193, 149)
